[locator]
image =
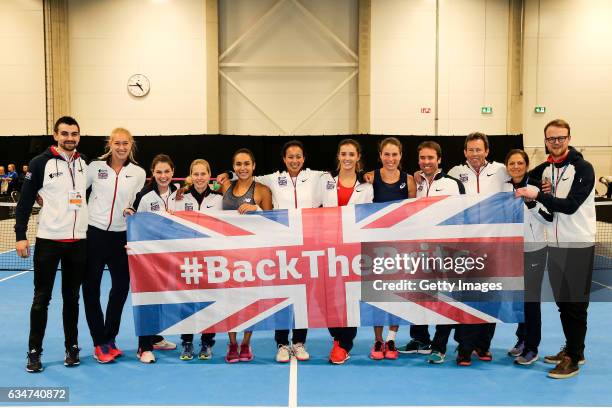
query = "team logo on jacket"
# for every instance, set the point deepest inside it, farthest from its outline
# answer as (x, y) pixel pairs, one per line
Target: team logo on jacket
(402, 186)
(463, 177)
(155, 206)
(331, 185)
(282, 181)
(188, 206)
(102, 174)
(420, 187)
(28, 176)
(59, 173)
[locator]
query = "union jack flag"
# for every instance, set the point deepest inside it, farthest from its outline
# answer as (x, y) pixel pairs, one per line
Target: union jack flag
(213, 272)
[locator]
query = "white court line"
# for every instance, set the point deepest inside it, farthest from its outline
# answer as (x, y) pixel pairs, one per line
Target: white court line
(605, 286)
(293, 368)
(14, 276)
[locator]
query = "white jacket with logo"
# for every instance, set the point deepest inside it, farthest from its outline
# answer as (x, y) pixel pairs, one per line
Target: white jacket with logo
(212, 201)
(491, 177)
(111, 193)
(572, 201)
(362, 192)
(535, 219)
(304, 193)
(442, 184)
(149, 200)
(51, 177)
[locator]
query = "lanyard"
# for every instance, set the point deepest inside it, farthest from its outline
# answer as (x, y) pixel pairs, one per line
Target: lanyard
(559, 176)
(70, 161)
(165, 201)
(526, 184)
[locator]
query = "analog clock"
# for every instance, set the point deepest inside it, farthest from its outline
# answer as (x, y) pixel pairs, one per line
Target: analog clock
(138, 85)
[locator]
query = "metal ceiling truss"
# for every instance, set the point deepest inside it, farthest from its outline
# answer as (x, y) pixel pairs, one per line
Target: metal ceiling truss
(322, 29)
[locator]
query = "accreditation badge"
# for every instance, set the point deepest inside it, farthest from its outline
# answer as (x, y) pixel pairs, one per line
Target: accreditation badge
(75, 200)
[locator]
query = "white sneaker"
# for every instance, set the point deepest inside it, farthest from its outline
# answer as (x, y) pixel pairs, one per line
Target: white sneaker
(283, 355)
(164, 345)
(146, 357)
(299, 351)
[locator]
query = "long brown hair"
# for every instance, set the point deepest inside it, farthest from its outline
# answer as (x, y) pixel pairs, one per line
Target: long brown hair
(160, 158)
(358, 165)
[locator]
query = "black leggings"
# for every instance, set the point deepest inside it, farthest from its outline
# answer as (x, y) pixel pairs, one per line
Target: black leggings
(105, 248)
(282, 336)
(344, 336)
(530, 332)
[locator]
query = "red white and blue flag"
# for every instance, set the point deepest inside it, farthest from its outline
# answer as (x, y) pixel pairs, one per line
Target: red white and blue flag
(214, 272)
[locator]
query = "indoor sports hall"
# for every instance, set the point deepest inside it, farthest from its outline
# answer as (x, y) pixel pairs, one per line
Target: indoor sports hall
(203, 78)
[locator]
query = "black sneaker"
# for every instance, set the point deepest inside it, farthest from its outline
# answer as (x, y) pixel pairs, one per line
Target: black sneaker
(34, 364)
(483, 355)
(416, 346)
(72, 356)
(464, 359)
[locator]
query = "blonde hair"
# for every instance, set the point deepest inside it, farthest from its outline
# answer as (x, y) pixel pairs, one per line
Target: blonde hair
(196, 162)
(107, 148)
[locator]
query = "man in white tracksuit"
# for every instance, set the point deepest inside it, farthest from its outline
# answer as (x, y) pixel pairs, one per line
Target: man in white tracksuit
(59, 177)
(479, 177)
(432, 182)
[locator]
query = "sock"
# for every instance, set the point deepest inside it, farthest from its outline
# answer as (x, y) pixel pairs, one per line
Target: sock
(391, 335)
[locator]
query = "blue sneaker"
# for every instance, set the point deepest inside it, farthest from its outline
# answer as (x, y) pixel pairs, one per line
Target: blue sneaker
(517, 350)
(527, 358)
(205, 352)
(187, 353)
(435, 357)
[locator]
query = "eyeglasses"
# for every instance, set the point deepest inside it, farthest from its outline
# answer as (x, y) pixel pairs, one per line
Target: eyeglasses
(557, 139)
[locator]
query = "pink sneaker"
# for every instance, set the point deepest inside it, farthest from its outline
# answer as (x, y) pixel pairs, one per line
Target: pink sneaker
(232, 353)
(390, 350)
(246, 354)
(378, 351)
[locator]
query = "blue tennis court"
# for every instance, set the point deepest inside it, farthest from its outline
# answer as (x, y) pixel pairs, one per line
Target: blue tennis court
(409, 381)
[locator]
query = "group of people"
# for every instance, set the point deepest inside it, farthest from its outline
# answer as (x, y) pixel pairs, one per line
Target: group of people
(11, 180)
(87, 236)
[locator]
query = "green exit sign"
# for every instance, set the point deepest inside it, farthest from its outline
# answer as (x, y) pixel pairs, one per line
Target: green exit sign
(540, 109)
(487, 110)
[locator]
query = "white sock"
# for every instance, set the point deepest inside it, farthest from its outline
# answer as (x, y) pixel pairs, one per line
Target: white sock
(391, 335)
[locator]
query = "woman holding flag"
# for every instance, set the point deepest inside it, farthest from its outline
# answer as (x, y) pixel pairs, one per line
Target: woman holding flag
(340, 189)
(535, 217)
(390, 183)
(295, 187)
(197, 196)
(158, 195)
(244, 195)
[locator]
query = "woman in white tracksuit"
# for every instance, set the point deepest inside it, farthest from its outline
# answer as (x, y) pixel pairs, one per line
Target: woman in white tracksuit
(197, 196)
(339, 190)
(157, 196)
(535, 217)
(115, 179)
(294, 187)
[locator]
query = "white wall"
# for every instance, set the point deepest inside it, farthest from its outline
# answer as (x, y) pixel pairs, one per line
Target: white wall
(571, 76)
(279, 100)
(473, 66)
(403, 41)
(473, 48)
(22, 68)
(164, 40)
